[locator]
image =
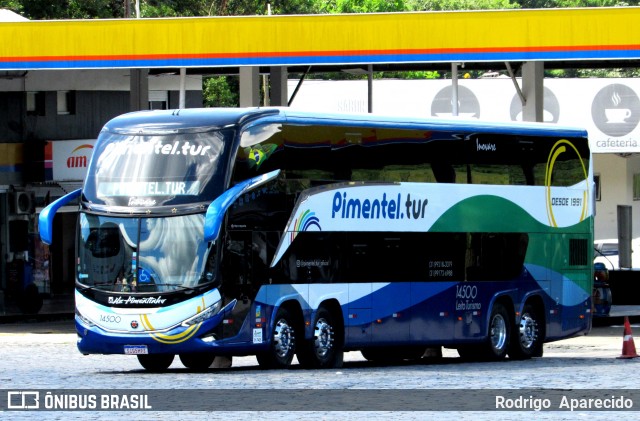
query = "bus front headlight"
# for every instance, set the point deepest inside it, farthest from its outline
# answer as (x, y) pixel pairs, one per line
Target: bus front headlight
(83, 320)
(205, 314)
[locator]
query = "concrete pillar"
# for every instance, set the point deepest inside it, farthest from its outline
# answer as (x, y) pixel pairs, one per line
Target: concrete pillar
(454, 90)
(625, 230)
(279, 96)
(249, 87)
(370, 88)
(139, 89)
(183, 88)
(533, 91)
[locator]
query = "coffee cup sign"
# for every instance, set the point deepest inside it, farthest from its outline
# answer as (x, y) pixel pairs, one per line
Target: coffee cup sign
(617, 115)
(615, 110)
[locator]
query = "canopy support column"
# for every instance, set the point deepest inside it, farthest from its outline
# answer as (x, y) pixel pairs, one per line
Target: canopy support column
(249, 86)
(139, 89)
(279, 92)
(454, 89)
(533, 91)
(183, 89)
(370, 88)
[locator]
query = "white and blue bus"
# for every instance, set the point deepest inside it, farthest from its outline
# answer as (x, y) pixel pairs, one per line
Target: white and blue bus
(271, 232)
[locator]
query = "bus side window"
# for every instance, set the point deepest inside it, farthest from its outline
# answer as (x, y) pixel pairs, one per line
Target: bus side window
(313, 258)
(496, 256)
(444, 172)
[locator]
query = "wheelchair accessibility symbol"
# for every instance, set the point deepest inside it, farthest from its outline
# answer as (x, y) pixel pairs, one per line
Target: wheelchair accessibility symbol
(144, 276)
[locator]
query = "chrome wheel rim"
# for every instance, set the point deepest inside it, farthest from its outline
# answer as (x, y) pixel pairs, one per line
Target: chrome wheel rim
(283, 338)
(323, 334)
(528, 331)
(498, 332)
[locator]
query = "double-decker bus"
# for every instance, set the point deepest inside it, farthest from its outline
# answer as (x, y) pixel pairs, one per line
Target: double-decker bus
(209, 233)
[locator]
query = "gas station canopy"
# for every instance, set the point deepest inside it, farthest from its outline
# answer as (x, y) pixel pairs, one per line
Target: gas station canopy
(562, 38)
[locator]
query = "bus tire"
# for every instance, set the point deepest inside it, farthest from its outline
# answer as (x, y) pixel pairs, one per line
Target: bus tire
(283, 342)
(197, 361)
(497, 343)
(378, 355)
(393, 354)
(324, 349)
(528, 337)
(156, 362)
(469, 352)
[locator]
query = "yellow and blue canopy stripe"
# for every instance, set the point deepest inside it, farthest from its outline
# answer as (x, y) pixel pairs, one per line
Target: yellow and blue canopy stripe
(506, 35)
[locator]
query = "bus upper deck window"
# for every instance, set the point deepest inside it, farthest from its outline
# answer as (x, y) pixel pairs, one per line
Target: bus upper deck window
(258, 134)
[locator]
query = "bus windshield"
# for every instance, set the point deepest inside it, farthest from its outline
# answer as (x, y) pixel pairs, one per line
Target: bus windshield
(138, 255)
(157, 169)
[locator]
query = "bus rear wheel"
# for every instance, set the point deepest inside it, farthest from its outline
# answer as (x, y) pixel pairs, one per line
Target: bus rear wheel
(197, 361)
(527, 335)
(283, 343)
(156, 362)
(324, 349)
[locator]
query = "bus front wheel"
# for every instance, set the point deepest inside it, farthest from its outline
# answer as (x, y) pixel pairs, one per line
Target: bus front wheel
(156, 362)
(283, 343)
(324, 349)
(499, 333)
(197, 361)
(496, 345)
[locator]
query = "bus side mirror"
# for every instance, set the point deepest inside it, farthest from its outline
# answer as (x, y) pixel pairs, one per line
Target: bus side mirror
(45, 219)
(218, 208)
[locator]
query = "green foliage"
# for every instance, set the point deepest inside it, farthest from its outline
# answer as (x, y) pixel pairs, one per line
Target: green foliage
(171, 8)
(545, 4)
(423, 5)
(68, 9)
(221, 91)
(259, 7)
(414, 74)
(13, 5)
(362, 6)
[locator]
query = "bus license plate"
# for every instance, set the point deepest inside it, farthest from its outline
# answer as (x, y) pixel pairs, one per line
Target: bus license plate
(135, 349)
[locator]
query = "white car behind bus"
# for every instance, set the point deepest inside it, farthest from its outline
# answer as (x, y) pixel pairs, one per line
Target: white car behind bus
(606, 252)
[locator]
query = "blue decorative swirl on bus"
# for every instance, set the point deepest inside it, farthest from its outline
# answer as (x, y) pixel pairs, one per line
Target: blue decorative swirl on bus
(309, 219)
(571, 294)
(45, 220)
(217, 208)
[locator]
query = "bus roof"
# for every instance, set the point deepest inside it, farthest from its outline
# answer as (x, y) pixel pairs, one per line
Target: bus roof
(435, 124)
(206, 119)
(183, 120)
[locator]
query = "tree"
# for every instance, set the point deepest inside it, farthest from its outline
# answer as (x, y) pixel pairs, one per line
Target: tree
(13, 5)
(362, 6)
(437, 5)
(68, 9)
(172, 8)
(221, 91)
(545, 4)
